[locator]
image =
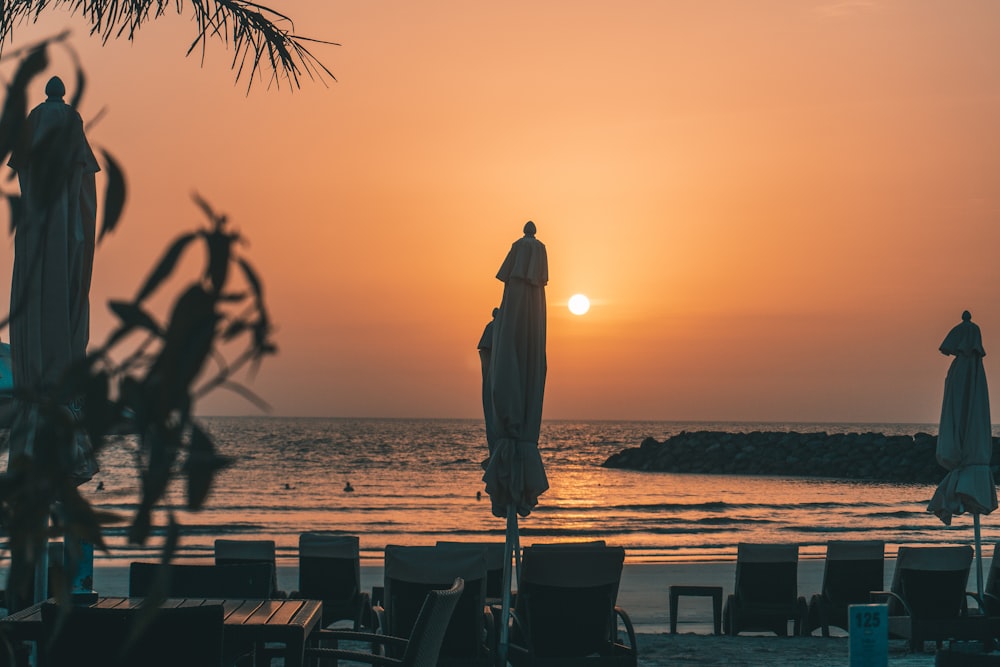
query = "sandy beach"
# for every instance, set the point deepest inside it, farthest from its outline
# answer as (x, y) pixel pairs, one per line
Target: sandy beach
(644, 595)
(664, 650)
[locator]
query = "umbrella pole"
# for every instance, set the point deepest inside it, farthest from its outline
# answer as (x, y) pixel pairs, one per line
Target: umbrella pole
(979, 556)
(517, 550)
(508, 553)
(41, 583)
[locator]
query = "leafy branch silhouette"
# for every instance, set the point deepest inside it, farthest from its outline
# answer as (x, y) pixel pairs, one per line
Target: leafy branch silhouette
(156, 383)
(258, 34)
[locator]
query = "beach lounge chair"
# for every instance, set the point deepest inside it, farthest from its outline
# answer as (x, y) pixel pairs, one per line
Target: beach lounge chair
(852, 570)
(991, 591)
(766, 595)
(235, 552)
(187, 636)
(231, 552)
(330, 570)
(494, 564)
(566, 610)
(411, 572)
(421, 649)
(928, 599)
(241, 580)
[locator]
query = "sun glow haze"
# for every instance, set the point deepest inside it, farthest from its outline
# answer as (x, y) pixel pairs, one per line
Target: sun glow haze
(788, 206)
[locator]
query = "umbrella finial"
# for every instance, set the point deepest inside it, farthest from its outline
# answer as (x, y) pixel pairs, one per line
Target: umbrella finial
(55, 89)
(529, 228)
(966, 316)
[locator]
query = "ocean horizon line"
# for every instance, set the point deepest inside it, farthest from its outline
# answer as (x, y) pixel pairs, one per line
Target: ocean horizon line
(589, 420)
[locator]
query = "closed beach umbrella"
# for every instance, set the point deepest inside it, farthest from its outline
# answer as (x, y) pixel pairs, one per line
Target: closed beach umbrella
(54, 243)
(515, 384)
(965, 437)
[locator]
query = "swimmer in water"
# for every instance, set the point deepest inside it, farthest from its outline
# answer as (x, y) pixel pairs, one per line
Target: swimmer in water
(348, 488)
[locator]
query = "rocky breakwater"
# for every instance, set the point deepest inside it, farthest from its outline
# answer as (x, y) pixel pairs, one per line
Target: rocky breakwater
(864, 456)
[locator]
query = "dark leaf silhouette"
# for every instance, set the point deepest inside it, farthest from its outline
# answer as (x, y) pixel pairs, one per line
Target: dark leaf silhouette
(114, 195)
(201, 465)
(15, 211)
(132, 316)
(165, 267)
(234, 329)
(252, 279)
(172, 538)
(103, 414)
(232, 297)
(142, 522)
(219, 245)
(262, 328)
(186, 345)
(159, 450)
(216, 219)
(82, 520)
(15, 107)
(131, 397)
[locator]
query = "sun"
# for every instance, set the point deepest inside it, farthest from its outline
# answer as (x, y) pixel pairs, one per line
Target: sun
(579, 304)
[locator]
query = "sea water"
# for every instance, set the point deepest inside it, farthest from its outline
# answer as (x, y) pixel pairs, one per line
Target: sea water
(415, 481)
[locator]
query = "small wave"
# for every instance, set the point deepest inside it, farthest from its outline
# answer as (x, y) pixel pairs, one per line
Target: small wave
(598, 533)
(657, 507)
(898, 514)
(726, 506)
(118, 530)
(828, 529)
(734, 521)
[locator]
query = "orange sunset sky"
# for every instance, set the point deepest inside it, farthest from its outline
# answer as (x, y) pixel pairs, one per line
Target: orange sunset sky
(777, 208)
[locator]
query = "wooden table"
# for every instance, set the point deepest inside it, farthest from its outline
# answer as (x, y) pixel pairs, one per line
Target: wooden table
(287, 622)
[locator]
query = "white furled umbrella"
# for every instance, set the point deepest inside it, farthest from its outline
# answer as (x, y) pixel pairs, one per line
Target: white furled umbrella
(515, 382)
(965, 437)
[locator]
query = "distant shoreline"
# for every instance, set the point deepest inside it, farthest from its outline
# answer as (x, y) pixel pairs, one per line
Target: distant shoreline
(708, 424)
